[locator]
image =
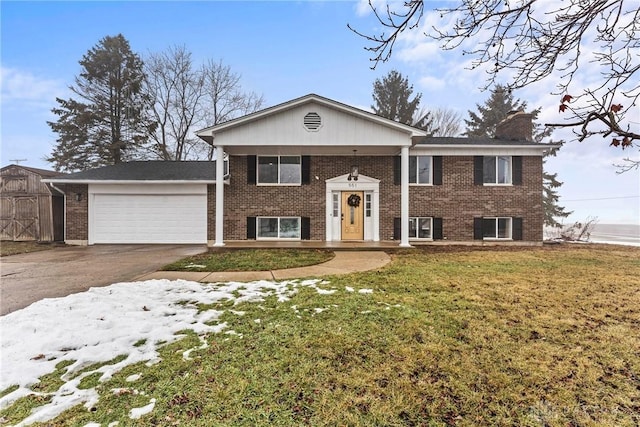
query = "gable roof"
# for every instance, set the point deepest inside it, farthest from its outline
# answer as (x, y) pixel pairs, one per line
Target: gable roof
(206, 133)
(155, 171)
(41, 172)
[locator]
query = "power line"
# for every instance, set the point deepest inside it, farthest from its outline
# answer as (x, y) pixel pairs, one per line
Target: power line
(601, 198)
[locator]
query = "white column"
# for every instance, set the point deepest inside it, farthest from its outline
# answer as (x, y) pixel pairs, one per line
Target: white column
(404, 197)
(219, 196)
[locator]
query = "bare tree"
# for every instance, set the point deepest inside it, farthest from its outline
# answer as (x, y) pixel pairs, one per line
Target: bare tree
(187, 97)
(531, 43)
(225, 98)
(176, 89)
(446, 122)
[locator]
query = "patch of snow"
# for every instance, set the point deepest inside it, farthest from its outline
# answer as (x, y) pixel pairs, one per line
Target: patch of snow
(366, 291)
(132, 378)
(319, 310)
(136, 413)
(92, 425)
(257, 320)
(97, 325)
(195, 266)
(186, 355)
(348, 288)
(113, 424)
(237, 313)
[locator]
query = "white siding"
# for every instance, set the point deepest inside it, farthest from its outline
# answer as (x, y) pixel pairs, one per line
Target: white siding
(147, 214)
(338, 129)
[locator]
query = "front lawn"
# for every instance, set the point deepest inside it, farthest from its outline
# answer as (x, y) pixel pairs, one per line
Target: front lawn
(453, 337)
(251, 260)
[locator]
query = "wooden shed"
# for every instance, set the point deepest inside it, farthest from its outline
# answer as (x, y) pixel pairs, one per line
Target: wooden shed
(29, 208)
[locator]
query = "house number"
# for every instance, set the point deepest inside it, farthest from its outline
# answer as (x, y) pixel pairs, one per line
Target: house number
(353, 185)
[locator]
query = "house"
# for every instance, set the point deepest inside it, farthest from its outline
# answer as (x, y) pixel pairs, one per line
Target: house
(316, 169)
(30, 209)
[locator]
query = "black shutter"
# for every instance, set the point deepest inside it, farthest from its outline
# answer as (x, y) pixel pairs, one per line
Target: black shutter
(516, 163)
(516, 232)
(437, 170)
(251, 169)
(396, 170)
(397, 228)
(251, 227)
(437, 229)
(306, 170)
(477, 228)
(305, 228)
(478, 170)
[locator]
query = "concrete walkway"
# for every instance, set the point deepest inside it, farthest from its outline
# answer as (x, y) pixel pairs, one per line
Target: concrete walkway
(344, 262)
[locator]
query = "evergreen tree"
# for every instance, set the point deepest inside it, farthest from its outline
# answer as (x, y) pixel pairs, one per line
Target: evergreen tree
(108, 122)
(391, 97)
(495, 109)
(483, 125)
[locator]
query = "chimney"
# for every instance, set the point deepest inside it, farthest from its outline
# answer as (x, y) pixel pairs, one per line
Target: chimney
(518, 126)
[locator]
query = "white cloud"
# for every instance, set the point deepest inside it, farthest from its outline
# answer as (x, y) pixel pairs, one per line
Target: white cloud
(432, 84)
(20, 86)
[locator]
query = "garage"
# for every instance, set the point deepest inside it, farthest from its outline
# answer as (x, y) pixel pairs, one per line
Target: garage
(147, 214)
(138, 202)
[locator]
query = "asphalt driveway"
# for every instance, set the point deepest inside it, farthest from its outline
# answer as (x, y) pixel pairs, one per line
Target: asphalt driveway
(27, 278)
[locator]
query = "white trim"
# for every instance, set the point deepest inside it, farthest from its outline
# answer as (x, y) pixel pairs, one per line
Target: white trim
(365, 184)
(278, 184)
(286, 239)
(404, 198)
(207, 132)
(219, 221)
(116, 193)
(417, 157)
(423, 239)
(497, 172)
(497, 219)
(479, 150)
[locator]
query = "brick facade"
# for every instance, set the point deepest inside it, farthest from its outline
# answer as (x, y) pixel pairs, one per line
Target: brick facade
(457, 201)
(77, 218)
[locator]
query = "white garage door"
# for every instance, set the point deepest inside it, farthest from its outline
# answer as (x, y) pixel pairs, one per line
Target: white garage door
(148, 218)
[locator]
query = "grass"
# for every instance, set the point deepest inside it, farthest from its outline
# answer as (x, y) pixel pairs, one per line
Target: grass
(449, 337)
(251, 260)
(14, 248)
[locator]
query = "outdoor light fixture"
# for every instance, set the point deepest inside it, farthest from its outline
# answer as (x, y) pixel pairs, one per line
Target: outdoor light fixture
(78, 197)
(354, 169)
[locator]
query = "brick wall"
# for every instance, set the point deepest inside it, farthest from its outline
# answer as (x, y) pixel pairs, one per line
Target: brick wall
(77, 218)
(457, 201)
(516, 127)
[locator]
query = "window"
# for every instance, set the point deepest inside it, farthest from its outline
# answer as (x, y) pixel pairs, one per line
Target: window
(420, 169)
(496, 228)
(336, 204)
(497, 170)
(420, 228)
(278, 228)
(285, 170)
(367, 205)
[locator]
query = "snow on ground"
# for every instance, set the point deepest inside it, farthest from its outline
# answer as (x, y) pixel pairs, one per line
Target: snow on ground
(102, 323)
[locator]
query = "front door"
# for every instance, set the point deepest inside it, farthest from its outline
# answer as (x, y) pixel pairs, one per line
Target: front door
(352, 215)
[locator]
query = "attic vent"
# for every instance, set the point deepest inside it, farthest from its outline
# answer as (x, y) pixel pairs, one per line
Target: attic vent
(312, 122)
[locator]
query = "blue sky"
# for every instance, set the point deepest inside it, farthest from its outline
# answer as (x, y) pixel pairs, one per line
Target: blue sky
(283, 50)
